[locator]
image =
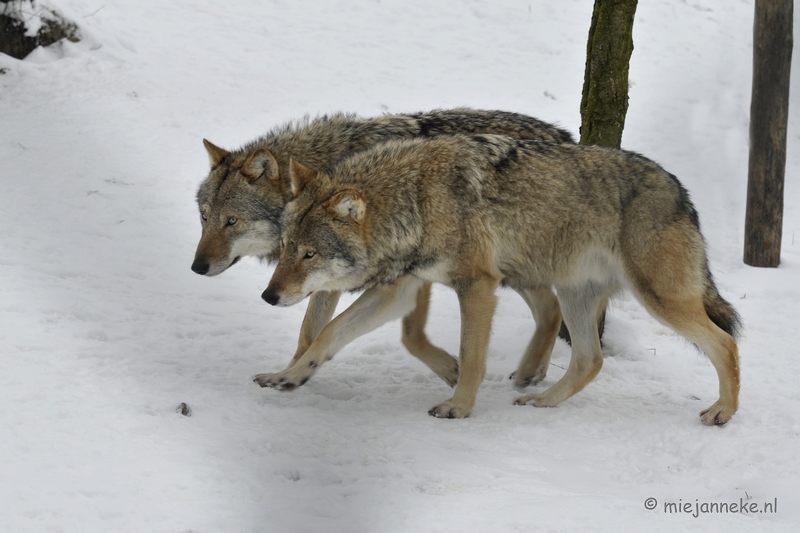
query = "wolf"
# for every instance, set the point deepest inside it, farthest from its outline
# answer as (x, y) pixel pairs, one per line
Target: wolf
(243, 197)
(478, 212)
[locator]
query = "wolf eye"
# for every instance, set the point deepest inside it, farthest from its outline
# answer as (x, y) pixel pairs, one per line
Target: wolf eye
(203, 216)
(309, 255)
(232, 221)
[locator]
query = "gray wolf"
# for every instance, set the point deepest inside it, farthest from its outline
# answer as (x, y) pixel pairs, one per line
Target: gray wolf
(478, 212)
(242, 199)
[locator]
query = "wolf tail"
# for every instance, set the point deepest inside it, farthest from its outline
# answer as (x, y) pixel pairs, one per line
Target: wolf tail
(719, 310)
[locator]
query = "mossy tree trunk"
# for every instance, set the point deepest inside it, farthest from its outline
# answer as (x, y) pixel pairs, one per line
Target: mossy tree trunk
(769, 113)
(605, 86)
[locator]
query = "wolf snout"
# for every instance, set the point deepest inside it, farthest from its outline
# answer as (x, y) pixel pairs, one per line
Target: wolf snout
(271, 296)
(200, 266)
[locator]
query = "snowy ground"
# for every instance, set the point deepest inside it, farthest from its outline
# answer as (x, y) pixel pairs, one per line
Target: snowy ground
(104, 330)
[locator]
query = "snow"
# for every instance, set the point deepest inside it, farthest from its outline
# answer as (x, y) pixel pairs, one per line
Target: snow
(105, 330)
(24, 11)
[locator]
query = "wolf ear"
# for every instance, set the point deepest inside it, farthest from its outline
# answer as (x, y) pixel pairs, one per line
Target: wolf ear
(260, 163)
(347, 205)
(215, 153)
(299, 176)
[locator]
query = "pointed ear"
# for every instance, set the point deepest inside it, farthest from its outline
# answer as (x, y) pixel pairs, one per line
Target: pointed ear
(261, 163)
(215, 153)
(347, 205)
(299, 176)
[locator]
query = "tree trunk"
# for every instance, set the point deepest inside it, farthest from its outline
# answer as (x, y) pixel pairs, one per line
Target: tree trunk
(769, 112)
(605, 86)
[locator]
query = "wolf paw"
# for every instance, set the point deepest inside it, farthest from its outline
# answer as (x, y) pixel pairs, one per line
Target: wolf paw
(718, 414)
(449, 373)
(450, 409)
(283, 381)
(521, 381)
(537, 400)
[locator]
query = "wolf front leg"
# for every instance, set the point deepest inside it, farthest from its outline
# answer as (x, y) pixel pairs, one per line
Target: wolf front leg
(321, 307)
(416, 341)
(372, 309)
(477, 302)
(536, 360)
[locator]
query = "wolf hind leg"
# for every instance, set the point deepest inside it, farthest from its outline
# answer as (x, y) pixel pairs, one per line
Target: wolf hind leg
(688, 317)
(536, 360)
(416, 341)
(563, 332)
(579, 307)
(670, 276)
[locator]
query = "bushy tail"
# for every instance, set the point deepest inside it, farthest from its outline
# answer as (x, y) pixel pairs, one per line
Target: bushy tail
(719, 310)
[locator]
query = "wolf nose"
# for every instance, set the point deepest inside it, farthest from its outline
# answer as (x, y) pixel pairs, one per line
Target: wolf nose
(270, 296)
(200, 266)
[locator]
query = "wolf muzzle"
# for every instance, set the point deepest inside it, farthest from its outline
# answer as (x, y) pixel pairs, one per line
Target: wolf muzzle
(271, 296)
(200, 266)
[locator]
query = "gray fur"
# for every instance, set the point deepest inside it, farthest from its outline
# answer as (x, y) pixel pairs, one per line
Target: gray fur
(476, 212)
(322, 141)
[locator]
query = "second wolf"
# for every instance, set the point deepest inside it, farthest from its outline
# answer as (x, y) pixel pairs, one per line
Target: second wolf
(242, 199)
(477, 212)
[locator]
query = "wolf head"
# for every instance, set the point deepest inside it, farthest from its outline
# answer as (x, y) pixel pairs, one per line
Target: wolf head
(240, 208)
(323, 242)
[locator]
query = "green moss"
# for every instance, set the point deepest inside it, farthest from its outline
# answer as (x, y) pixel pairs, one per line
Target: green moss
(604, 103)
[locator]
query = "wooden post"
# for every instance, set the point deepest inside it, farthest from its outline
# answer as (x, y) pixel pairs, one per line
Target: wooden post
(769, 112)
(604, 102)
